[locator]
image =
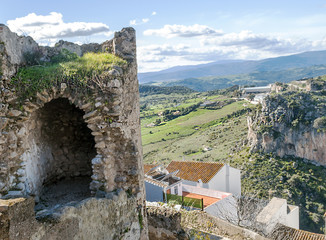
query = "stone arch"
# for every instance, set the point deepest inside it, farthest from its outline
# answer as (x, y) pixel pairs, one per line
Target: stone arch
(112, 144)
(59, 150)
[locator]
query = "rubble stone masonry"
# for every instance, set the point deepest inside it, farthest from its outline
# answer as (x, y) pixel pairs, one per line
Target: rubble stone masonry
(84, 145)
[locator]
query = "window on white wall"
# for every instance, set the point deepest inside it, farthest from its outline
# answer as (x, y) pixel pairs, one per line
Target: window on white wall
(176, 190)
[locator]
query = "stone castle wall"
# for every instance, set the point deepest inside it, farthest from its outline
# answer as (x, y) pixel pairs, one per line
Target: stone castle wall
(168, 223)
(93, 218)
(65, 133)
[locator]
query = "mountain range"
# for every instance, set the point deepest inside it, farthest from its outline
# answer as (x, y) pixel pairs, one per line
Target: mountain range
(221, 74)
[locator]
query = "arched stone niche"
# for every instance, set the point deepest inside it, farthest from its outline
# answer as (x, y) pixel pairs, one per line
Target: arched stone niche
(59, 147)
(65, 132)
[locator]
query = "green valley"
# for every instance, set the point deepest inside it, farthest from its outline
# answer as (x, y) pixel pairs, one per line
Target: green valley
(216, 130)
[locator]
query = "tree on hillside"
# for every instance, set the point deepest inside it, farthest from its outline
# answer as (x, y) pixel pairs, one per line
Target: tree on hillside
(158, 121)
(251, 96)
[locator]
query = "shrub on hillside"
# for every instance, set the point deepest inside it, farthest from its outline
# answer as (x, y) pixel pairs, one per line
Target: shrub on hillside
(320, 123)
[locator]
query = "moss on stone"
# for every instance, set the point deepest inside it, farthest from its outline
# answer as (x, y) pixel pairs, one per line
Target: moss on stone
(140, 219)
(77, 72)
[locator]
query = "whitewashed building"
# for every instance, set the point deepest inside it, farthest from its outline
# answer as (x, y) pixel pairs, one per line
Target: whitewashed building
(209, 181)
(210, 175)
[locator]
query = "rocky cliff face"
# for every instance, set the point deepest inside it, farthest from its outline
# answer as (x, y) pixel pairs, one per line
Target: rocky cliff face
(291, 123)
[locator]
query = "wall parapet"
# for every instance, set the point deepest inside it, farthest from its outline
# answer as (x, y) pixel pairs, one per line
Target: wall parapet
(167, 221)
(80, 221)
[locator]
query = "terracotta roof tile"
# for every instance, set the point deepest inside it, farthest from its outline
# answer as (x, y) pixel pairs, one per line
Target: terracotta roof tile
(282, 232)
(193, 171)
(304, 235)
(207, 200)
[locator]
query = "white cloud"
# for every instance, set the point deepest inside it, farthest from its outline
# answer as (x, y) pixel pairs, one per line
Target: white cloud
(145, 20)
(132, 22)
(52, 26)
(33, 20)
(153, 58)
(135, 22)
(170, 31)
(156, 57)
(250, 40)
(244, 45)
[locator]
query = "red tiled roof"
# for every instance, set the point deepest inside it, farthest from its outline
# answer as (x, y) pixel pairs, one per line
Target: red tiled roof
(148, 167)
(304, 235)
(287, 233)
(207, 200)
(193, 171)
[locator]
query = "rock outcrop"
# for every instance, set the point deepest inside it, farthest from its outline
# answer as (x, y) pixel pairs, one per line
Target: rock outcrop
(291, 123)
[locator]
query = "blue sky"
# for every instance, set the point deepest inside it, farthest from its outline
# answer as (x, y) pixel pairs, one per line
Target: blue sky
(171, 33)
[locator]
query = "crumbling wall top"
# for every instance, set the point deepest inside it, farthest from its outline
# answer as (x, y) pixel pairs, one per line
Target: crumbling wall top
(13, 49)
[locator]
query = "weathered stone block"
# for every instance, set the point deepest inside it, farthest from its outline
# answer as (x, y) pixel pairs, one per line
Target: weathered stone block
(90, 114)
(3, 122)
(100, 145)
(14, 113)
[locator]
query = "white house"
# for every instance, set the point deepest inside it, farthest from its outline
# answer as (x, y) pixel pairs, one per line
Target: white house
(210, 175)
(209, 181)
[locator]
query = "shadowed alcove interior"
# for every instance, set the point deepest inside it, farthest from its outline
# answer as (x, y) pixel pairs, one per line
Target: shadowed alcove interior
(61, 147)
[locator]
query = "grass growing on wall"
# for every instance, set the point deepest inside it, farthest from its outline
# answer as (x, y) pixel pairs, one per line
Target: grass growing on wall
(90, 64)
(65, 67)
